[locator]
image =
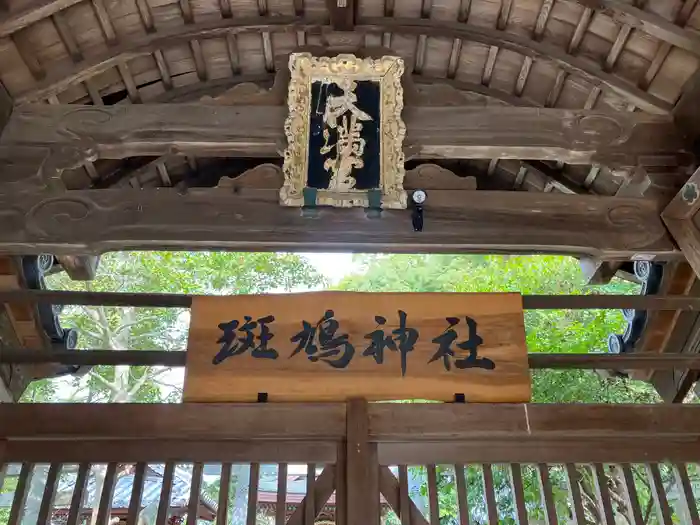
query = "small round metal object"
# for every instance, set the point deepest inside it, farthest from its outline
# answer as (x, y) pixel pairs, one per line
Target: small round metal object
(419, 196)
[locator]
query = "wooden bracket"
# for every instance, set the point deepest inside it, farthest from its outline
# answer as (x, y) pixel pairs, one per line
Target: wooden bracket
(680, 217)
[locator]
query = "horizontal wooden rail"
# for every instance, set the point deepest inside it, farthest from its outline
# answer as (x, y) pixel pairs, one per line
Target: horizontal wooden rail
(177, 358)
(530, 302)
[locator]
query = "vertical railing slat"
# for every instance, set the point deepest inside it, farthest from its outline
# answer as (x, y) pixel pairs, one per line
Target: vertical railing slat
(341, 479)
(224, 487)
(572, 476)
(404, 497)
(433, 496)
(21, 490)
(550, 511)
(105, 504)
(76, 502)
(490, 493)
(49, 493)
(659, 493)
(136, 493)
(165, 491)
(516, 480)
(309, 503)
(281, 509)
(253, 493)
(686, 493)
(195, 487)
(634, 512)
(600, 480)
(463, 502)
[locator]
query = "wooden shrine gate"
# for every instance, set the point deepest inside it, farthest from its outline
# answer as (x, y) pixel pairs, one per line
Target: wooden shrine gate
(617, 462)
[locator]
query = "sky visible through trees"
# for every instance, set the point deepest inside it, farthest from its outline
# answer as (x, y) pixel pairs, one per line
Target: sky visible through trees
(238, 273)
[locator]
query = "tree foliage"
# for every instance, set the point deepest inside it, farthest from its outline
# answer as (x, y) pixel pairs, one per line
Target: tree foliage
(560, 331)
(114, 328)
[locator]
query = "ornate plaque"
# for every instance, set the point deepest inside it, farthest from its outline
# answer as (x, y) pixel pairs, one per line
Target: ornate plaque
(344, 132)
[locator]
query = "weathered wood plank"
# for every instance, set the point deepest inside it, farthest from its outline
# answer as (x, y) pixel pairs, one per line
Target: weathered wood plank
(206, 421)
(291, 370)
(94, 221)
(361, 467)
(579, 137)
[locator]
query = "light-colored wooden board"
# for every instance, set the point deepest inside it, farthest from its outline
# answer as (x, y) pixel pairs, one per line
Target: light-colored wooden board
(499, 322)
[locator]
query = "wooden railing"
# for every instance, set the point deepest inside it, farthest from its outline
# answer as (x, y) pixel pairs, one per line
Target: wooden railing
(353, 464)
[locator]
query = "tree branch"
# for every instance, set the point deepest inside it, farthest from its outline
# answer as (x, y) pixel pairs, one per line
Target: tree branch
(102, 380)
(142, 381)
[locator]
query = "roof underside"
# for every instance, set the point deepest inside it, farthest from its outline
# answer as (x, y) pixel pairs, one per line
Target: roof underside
(603, 54)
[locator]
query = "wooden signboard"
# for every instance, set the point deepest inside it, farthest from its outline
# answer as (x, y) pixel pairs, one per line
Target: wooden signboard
(332, 346)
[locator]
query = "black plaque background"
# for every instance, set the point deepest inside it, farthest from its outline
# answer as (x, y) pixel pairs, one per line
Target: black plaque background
(368, 99)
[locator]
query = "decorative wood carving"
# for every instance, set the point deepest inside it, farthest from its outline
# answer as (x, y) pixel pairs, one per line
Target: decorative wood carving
(93, 221)
(384, 152)
(78, 133)
(249, 93)
(265, 176)
(434, 177)
(682, 221)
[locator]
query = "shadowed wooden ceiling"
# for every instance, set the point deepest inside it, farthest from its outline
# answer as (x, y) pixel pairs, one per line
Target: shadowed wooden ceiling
(594, 54)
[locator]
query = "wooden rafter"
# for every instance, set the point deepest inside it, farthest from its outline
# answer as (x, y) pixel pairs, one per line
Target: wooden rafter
(36, 10)
(522, 45)
(120, 54)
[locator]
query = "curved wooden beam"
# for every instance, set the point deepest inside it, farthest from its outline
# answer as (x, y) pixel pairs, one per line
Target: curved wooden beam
(586, 69)
(146, 45)
(30, 13)
(656, 26)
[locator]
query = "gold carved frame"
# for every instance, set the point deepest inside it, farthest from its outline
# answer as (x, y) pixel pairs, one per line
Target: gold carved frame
(305, 69)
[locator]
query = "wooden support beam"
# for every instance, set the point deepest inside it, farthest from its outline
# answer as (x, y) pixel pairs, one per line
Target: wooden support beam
(687, 112)
(683, 222)
(80, 267)
(95, 221)
(598, 272)
(362, 496)
(6, 106)
(342, 14)
(530, 302)
(75, 134)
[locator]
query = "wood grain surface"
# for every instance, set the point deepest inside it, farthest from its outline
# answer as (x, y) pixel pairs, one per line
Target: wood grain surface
(499, 319)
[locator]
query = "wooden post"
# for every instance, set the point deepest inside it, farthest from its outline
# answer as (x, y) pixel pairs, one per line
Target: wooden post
(362, 467)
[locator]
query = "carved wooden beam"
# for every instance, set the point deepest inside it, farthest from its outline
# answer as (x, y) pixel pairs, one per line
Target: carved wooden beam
(94, 221)
(65, 136)
(681, 218)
